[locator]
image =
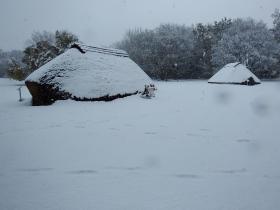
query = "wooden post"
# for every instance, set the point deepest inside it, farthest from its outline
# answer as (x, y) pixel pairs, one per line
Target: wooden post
(19, 91)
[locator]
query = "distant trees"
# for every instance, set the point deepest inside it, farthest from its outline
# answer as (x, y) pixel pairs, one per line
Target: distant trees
(45, 46)
(38, 54)
(63, 40)
(41, 36)
(139, 44)
(173, 51)
(170, 51)
(250, 43)
(3, 64)
(164, 53)
(205, 37)
(276, 33)
(16, 71)
(178, 41)
(7, 59)
(41, 48)
(276, 25)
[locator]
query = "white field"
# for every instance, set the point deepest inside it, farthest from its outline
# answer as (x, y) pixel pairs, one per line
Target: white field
(195, 146)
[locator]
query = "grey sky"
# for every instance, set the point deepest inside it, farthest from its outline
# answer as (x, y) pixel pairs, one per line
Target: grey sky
(103, 22)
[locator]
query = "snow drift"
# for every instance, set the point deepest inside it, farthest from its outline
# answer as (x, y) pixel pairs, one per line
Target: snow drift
(86, 73)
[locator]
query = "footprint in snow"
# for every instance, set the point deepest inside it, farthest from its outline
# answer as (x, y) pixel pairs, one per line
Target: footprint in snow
(55, 126)
(79, 126)
(114, 129)
(35, 170)
(133, 168)
(243, 140)
(192, 134)
(81, 172)
(271, 177)
(205, 136)
(204, 129)
(150, 133)
(187, 176)
(233, 171)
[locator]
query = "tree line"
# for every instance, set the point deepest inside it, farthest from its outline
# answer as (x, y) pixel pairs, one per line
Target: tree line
(173, 51)
(170, 51)
(41, 48)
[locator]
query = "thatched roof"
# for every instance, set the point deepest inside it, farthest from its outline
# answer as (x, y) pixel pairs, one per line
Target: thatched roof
(235, 73)
(86, 73)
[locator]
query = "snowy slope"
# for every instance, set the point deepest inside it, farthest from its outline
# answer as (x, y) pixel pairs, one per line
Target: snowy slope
(195, 146)
(93, 74)
(233, 73)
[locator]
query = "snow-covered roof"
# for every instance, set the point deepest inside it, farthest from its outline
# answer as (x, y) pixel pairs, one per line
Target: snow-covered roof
(92, 72)
(234, 73)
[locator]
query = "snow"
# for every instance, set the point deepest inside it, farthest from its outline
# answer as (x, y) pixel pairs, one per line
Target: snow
(194, 146)
(233, 73)
(93, 74)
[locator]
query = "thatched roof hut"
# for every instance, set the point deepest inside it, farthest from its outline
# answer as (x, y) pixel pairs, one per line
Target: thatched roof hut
(235, 73)
(86, 73)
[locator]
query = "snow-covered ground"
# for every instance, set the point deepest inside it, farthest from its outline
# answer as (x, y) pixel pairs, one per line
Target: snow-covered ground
(195, 146)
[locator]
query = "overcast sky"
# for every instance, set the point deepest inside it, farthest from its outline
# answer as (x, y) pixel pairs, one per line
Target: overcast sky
(103, 22)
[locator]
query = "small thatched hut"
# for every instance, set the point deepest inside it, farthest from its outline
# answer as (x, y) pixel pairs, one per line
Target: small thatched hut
(86, 73)
(235, 73)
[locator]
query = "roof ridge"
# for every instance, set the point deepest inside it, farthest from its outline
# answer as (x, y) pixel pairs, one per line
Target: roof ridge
(109, 51)
(237, 64)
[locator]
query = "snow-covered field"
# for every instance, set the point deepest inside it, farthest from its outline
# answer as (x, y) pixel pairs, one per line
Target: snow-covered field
(196, 146)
